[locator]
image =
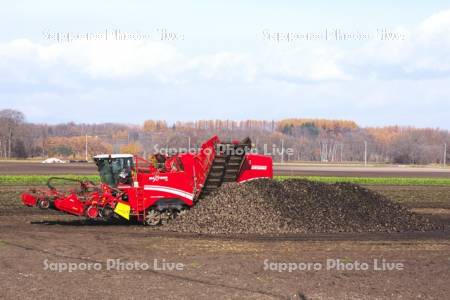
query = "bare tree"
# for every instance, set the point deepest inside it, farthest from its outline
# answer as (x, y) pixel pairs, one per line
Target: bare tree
(10, 121)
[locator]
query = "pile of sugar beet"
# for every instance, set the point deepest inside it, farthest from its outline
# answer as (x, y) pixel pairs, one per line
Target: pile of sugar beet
(296, 206)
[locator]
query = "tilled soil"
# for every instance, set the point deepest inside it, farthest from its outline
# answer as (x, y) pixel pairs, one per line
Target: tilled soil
(297, 206)
(215, 266)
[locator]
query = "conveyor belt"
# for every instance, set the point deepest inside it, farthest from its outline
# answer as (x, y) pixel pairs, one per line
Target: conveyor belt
(226, 165)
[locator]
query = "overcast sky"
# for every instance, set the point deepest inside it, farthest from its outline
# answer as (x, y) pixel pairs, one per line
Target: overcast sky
(227, 60)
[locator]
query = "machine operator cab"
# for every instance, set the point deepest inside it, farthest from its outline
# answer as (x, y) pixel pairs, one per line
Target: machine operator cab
(115, 169)
(118, 169)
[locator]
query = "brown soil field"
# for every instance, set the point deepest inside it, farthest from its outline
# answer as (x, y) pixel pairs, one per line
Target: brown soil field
(33, 242)
(34, 168)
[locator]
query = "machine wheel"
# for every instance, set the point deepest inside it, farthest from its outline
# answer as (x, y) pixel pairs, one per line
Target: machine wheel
(92, 212)
(44, 203)
(167, 215)
(153, 218)
(181, 213)
(107, 212)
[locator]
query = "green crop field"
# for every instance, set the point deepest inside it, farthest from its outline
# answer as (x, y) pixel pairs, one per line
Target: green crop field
(375, 180)
(42, 179)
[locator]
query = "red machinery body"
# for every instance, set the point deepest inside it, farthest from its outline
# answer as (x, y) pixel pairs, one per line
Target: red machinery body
(255, 166)
(154, 191)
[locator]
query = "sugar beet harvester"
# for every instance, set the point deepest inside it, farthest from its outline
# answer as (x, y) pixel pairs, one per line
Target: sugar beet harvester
(153, 192)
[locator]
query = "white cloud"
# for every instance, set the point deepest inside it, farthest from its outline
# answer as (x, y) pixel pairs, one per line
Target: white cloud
(222, 66)
(98, 59)
(304, 63)
(319, 76)
(436, 25)
(425, 53)
(26, 61)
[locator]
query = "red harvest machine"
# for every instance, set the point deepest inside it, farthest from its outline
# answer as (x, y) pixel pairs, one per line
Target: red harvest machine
(154, 191)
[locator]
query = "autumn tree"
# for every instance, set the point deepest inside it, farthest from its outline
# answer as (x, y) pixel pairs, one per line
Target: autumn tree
(133, 148)
(154, 125)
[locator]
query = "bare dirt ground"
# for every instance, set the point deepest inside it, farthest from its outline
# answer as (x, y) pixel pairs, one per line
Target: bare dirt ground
(35, 168)
(218, 267)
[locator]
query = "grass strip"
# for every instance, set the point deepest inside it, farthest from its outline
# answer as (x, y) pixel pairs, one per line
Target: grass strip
(399, 181)
(375, 180)
(41, 179)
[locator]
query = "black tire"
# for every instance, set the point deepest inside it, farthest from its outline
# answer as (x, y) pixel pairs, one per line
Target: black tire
(107, 213)
(43, 203)
(152, 218)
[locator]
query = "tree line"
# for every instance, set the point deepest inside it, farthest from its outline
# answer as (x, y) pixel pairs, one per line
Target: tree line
(318, 140)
